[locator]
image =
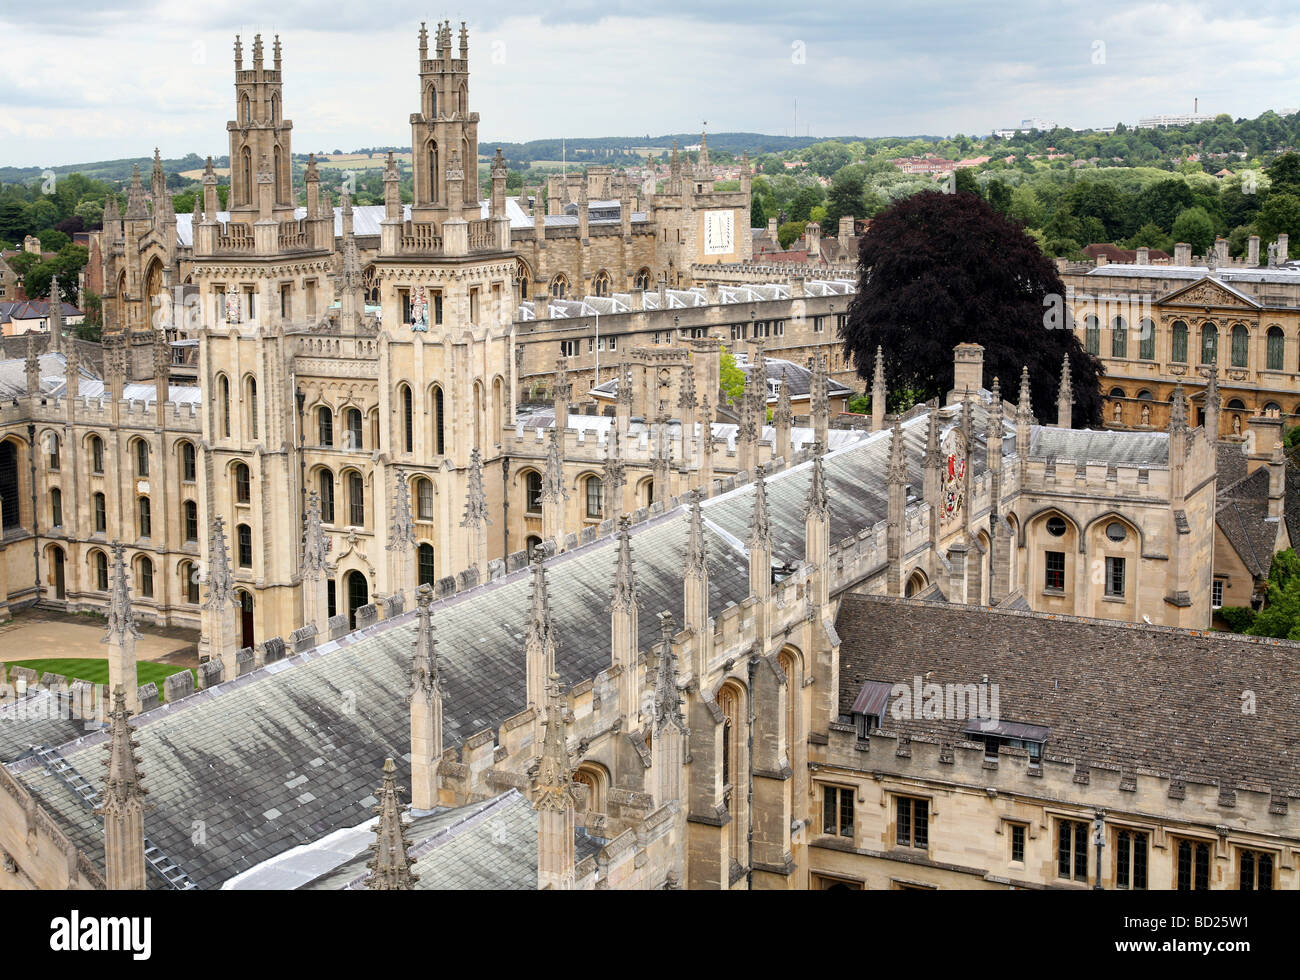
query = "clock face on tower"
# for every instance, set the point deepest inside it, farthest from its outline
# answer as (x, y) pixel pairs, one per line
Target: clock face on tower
(719, 232)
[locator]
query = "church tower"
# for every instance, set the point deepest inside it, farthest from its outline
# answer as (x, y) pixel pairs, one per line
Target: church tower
(444, 133)
(260, 153)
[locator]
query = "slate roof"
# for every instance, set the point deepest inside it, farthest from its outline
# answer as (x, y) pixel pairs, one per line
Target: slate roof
(53, 372)
(1230, 462)
(1241, 512)
(1128, 695)
(32, 309)
(1092, 446)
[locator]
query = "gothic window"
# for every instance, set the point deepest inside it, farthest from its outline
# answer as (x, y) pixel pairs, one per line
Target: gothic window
(356, 500)
(96, 454)
(1276, 348)
(100, 561)
(353, 416)
(427, 572)
(325, 425)
(559, 286)
(243, 484)
(533, 493)
(188, 462)
(191, 520)
(141, 457)
(56, 507)
(432, 154)
(145, 575)
(275, 155)
(275, 109)
(1147, 340)
(437, 420)
(326, 483)
(247, 168)
(423, 499)
(53, 447)
(1209, 344)
(1072, 850)
(223, 406)
(250, 397)
(532, 542)
(1092, 335)
(1178, 353)
(145, 512)
(1240, 345)
(642, 280)
(600, 285)
(189, 582)
(1119, 338)
(245, 111)
(101, 514)
(595, 493)
(408, 424)
(244, 548)
(432, 94)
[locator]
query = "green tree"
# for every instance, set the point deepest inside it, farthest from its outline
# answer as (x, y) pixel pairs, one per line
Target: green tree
(1280, 616)
(964, 181)
(998, 195)
(1150, 235)
(730, 378)
(804, 201)
(1280, 214)
(1284, 173)
(789, 232)
(1196, 228)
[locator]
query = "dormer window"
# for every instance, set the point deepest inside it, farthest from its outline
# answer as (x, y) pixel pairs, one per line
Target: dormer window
(995, 734)
(869, 707)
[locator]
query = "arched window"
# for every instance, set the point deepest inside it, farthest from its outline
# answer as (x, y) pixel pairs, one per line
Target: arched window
(432, 155)
(325, 425)
(189, 467)
(1092, 334)
(408, 423)
(141, 457)
(358, 593)
(243, 484)
(1273, 407)
(593, 779)
(100, 562)
(1209, 343)
(275, 156)
(559, 286)
(9, 492)
(595, 497)
(356, 499)
(601, 285)
(437, 420)
(56, 507)
(245, 111)
(247, 166)
(53, 447)
(1236, 405)
(498, 406)
(533, 492)
(462, 100)
(223, 404)
(96, 454)
(423, 499)
(479, 408)
(1147, 340)
(533, 542)
(642, 280)
(191, 520)
(353, 416)
(1240, 345)
(1117, 393)
(1119, 337)
(326, 483)
(426, 570)
(1178, 350)
(733, 765)
(189, 582)
(250, 399)
(144, 576)
(101, 513)
(145, 511)
(275, 110)
(915, 584)
(648, 488)
(244, 537)
(1276, 348)
(431, 101)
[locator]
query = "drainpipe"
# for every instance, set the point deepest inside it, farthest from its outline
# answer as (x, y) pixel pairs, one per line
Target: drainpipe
(299, 440)
(36, 544)
(505, 504)
(1099, 838)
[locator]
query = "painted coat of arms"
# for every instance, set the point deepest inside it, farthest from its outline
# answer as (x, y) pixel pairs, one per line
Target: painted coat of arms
(954, 473)
(420, 311)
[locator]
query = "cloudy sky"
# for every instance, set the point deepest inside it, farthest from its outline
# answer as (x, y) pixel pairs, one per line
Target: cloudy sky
(90, 81)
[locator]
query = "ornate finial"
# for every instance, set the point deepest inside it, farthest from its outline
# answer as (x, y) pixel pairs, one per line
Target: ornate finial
(476, 509)
(783, 416)
(933, 457)
(1065, 391)
(122, 788)
(686, 400)
(878, 377)
(818, 499)
(314, 543)
(276, 51)
(612, 477)
(560, 387)
(135, 205)
(819, 395)
(995, 411)
(668, 699)
(625, 591)
(897, 456)
(1024, 407)
(624, 383)
(401, 532)
(390, 868)
(696, 549)
(1178, 409)
(555, 774)
(760, 530)
(553, 488)
(220, 587)
(121, 620)
(239, 54)
(498, 164)
(425, 669)
(541, 631)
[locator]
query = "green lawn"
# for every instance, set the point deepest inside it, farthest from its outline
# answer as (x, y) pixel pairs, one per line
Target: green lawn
(95, 670)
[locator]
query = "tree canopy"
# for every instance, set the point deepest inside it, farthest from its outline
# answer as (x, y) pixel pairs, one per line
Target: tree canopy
(936, 270)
